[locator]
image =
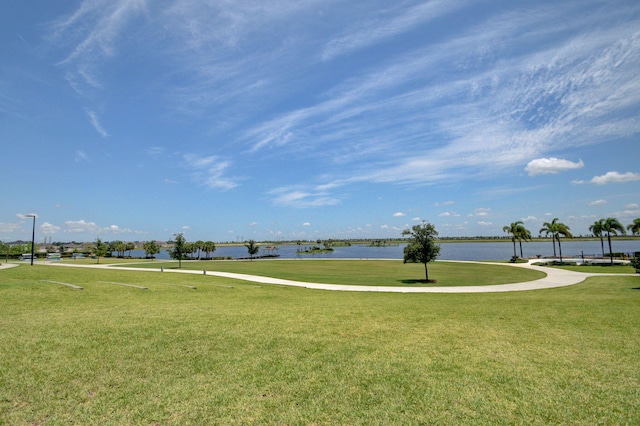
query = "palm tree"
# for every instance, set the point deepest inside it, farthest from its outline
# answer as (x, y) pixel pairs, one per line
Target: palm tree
(518, 232)
(612, 226)
(547, 228)
(252, 248)
(597, 229)
(199, 246)
(208, 247)
(635, 226)
(525, 235)
(556, 229)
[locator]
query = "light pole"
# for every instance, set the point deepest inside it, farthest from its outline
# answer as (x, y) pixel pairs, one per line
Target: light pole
(33, 236)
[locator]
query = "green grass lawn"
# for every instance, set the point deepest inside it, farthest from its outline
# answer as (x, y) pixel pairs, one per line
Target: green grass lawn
(366, 272)
(600, 268)
(231, 352)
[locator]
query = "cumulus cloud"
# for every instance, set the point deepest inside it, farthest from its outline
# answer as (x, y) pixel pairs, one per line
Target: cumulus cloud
(484, 223)
(552, 165)
(598, 203)
(615, 177)
(306, 224)
(26, 216)
(530, 219)
(481, 212)
(48, 228)
(449, 214)
(82, 226)
(7, 228)
(399, 214)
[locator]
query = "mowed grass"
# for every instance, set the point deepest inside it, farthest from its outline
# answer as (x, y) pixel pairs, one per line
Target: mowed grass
(231, 352)
(367, 272)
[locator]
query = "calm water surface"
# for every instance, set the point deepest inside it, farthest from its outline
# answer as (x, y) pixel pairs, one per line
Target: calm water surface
(449, 251)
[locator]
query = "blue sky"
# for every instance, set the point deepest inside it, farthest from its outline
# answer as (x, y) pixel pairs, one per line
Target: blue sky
(134, 119)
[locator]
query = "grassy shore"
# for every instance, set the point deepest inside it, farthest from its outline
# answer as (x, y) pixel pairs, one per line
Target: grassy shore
(230, 352)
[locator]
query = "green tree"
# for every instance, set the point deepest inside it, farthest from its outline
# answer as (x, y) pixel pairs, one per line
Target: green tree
(252, 248)
(190, 248)
(556, 229)
(634, 228)
(518, 233)
(612, 226)
(99, 249)
(199, 245)
(150, 249)
(130, 246)
(597, 230)
(422, 247)
(179, 250)
(208, 247)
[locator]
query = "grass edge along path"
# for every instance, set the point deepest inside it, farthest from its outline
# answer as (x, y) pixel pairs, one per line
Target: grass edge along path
(551, 278)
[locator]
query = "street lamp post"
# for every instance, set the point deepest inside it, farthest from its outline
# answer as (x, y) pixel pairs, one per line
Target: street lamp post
(33, 236)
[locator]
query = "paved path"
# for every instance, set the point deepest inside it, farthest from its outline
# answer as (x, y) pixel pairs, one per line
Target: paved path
(554, 278)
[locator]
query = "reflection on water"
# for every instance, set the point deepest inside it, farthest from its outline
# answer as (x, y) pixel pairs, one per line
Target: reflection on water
(449, 251)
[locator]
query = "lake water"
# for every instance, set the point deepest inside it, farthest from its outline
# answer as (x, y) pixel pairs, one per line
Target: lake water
(448, 251)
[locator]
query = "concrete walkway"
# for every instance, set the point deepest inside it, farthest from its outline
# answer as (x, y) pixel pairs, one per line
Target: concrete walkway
(554, 278)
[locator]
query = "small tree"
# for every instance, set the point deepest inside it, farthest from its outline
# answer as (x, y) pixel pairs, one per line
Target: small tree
(100, 249)
(179, 250)
(252, 248)
(150, 249)
(422, 247)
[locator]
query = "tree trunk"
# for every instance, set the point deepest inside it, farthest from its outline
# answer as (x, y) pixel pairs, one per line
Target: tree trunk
(513, 240)
(553, 238)
(602, 245)
(610, 252)
(521, 250)
(560, 248)
(426, 272)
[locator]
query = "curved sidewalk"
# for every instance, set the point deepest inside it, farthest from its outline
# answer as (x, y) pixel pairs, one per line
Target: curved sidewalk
(554, 278)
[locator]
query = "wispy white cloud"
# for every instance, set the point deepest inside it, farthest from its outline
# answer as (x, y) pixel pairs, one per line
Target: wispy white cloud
(493, 112)
(399, 214)
(301, 196)
(91, 32)
(387, 24)
(209, 171)
(95, 122)
(598, 202)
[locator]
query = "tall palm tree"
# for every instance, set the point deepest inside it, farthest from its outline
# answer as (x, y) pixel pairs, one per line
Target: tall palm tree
(525, 235)
(597, 228)
(547, 228)
(635, 226)
(556, 229)
(514, 230)
(612, 226)
(518, 233)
